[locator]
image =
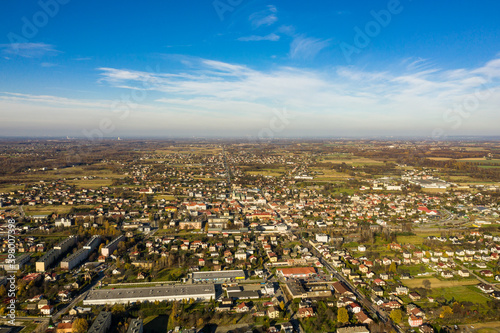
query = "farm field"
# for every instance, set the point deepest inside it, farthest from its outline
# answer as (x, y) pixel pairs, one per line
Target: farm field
(277, 172)
(48, 209)
(436, 283)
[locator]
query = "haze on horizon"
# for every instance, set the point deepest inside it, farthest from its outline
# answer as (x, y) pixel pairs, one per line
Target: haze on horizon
(249, 68)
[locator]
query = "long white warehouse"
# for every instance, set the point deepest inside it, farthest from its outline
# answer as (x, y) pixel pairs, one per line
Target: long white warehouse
(151, 294)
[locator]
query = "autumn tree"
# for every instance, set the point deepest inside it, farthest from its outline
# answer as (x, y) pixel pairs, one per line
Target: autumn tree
(396, 316)
(342, 316)
(427, 284)
(80, 325)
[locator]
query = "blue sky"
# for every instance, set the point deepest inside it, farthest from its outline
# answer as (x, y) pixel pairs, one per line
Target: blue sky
(259, 69)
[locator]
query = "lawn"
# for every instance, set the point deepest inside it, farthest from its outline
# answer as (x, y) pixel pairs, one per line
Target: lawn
(461, 294)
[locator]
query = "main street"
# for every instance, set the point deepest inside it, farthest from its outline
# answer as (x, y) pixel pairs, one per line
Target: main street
(374, 311)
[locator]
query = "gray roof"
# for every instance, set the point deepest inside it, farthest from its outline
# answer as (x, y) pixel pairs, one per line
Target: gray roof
(135, 326)
(125, 295)
(213, 275)
(101, 323)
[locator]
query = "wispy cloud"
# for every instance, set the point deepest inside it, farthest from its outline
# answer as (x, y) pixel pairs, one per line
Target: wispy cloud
(265, 17)
(307, 47)
(408, 99)
(28, 50)
(254, 38)
(329, 101)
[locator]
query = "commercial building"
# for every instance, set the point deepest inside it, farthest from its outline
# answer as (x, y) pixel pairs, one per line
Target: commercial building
(112, 246)
(296, 272)
(218, 276)
(151, 294)
(101, 324)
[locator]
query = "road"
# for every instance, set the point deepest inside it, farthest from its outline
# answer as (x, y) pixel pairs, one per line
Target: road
(374, 311)
(80, 297)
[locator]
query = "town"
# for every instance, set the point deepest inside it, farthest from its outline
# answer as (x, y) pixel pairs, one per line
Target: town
(345, 236)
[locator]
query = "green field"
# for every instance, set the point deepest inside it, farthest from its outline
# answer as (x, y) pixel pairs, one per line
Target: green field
(461, 293)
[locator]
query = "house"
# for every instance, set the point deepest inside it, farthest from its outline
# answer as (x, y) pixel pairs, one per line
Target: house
(273, 312)
(305, 312)
(64, 328)
(415, 321)
(242, 307)
(377, 290)
(485, 288)
(47, 310)
(354, 307)
(142, 275)
(486, 273)
(463, 273)
(402, 290)
(447, 274)
(363, 318)
(414, 296)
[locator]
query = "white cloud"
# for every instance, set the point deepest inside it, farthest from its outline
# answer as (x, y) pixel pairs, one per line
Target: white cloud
(254, 38)
(306, 47)
(28, 50)
(265, 17)
(211, 96)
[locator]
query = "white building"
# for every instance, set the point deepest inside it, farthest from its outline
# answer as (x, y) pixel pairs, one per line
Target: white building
(322, 238)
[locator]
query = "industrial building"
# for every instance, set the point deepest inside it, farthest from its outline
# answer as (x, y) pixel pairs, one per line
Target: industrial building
(296, 272)
(218, 276)
(101, 324)
(151, 294)
(112, 246)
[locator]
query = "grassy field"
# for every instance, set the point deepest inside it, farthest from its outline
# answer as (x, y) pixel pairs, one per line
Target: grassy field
(47, 209)
(267, 172)
(434, 190)
(493, 326)
(436, 283)
(480, 160)
(102, 175)
(167, 197)
(461, 294)
(90, 183)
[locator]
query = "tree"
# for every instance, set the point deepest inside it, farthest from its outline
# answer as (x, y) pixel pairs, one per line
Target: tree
(282, 306)
(397, 316)
(446, 311)
(427, 284)
(342, 316)
(80, 325)
(393, 267)
(3, 291)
